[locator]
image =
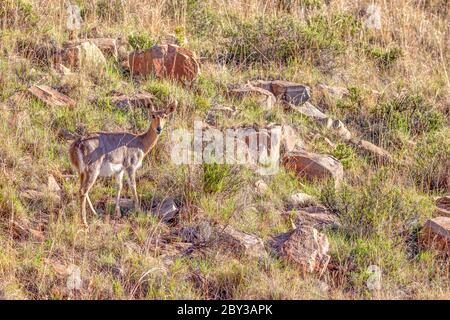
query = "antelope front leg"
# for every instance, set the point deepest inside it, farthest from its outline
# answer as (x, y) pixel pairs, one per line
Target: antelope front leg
(119, 185)
(132, 183)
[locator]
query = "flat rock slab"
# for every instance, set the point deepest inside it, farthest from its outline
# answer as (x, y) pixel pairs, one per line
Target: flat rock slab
(314, 166)
(140, 100)
(318, 217)
(436, 235)
(165, 61)
(167, 210)
(263, 96)
(51, 97)
(286, 91)
(368, 148)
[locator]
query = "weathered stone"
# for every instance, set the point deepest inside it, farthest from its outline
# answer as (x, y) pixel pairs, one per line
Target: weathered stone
(139, 100)
(167, 210)
(242, 243)
(51, 96)
(165, 61)
(314, 166)
(369, 148)
(311, 111)
(108, 46)
(286, 91)
(443, 206)
(81, 55)
(305, 247)
(372, 17)
(261, 187)
(436, 235)
(336, 92)
(318, 217)
(301, 199)
(339, 128)
(263, 96)
(200, 233)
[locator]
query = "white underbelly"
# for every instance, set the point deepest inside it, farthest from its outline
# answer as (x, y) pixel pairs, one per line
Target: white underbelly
(109, 169)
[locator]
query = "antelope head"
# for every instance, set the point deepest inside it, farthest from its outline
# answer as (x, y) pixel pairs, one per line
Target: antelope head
(159, 117)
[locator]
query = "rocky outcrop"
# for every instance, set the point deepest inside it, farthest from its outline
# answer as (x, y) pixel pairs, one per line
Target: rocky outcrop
(314, 166)
(165, 61)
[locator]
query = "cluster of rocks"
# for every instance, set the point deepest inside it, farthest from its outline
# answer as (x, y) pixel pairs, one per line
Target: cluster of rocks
(162, 61)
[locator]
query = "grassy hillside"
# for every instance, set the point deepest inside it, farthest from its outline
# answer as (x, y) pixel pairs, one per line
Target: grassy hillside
(398, 82)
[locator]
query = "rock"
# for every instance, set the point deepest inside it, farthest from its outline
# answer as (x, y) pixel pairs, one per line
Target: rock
(50, 96)
(261, 187)
(443, 206)
(318, 217)
(286, 91)
(52, 185)
(301, 199)
(336, 92)
(372, 17)
(167, 210)
(108, 46)
(165, 61)
(339, 128)
(201, 233)
(24, 232)
(263, 96)
(74, 278)
(311, 111)
(289, 139)
(241, 243)
(139, 100)
(314, 166)
(305, 247)
(436, 235)
(369, 148)
(81, 55)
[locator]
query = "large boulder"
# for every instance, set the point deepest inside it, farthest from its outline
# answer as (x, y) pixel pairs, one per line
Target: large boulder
(314, 166)
(436, 235)
(165, 61)
(304, 247)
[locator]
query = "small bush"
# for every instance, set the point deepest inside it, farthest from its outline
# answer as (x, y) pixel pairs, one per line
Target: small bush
(214, 176)
(385, 58)
(141, 41)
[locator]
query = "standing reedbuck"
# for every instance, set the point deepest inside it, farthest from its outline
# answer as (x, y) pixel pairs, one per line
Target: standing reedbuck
(112, 153)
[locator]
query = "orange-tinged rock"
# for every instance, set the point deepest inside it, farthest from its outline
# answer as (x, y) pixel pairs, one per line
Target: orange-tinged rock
(436, 235)
(165, 61)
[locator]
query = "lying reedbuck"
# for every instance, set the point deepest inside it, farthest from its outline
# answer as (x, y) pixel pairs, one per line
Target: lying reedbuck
(112, 153)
